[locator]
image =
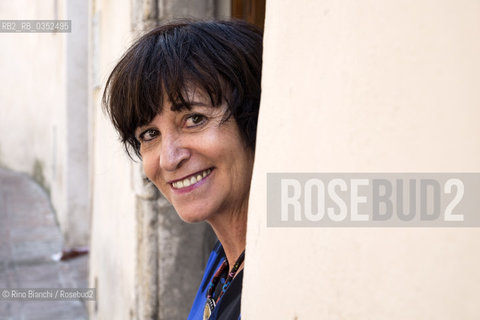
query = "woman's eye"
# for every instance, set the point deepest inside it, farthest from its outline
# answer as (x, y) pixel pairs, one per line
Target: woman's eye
(195, 120)
(148, 135)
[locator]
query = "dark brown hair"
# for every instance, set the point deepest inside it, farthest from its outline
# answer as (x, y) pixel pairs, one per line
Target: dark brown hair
(223, 58)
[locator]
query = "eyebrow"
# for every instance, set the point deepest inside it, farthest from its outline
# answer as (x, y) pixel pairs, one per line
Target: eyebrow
(179, 106)
(175, 108)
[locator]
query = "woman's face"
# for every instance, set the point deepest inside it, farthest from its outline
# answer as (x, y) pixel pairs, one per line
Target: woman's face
(198, 163)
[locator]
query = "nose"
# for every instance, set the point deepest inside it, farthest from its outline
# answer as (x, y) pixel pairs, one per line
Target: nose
(173, 153)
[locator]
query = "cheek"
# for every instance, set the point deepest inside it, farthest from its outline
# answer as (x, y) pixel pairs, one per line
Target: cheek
(150, 166)
(239, 162)
(244, 170)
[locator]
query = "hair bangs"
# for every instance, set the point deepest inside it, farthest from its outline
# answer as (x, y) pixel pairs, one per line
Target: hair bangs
(166, 65)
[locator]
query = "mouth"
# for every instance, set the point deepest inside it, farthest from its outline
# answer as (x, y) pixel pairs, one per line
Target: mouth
(191, 179)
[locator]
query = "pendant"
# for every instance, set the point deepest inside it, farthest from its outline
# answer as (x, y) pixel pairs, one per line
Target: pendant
(209, 306)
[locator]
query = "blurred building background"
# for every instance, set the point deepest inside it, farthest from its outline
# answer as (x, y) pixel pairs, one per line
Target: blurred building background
(44, 109)
(392, 86)
(144, 262)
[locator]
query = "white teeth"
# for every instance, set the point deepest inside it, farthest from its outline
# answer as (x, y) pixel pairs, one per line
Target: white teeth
(192, 180)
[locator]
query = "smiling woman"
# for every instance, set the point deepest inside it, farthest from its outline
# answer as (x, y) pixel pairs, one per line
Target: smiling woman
(185, 99)
(198, 162)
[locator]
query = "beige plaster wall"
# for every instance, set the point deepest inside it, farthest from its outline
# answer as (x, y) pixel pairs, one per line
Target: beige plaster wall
(113, 236)
(74, 217)
(43, 105)
(366, 86)
(31, 94)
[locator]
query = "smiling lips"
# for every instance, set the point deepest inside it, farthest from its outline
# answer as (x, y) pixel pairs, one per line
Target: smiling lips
(188, 181)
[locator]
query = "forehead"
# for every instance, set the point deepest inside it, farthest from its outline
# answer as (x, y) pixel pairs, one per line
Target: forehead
(194, 97)
(191, 95)
(175, 97)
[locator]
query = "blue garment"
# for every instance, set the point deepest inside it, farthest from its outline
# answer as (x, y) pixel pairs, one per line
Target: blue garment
(228, 308)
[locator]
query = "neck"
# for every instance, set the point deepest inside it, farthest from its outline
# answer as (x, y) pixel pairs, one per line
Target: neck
(231, 232)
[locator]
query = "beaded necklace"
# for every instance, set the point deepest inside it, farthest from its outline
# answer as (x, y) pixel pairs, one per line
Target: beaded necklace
(211, 302)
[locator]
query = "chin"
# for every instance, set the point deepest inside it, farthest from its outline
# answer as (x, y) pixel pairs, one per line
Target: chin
(193, 216)
(191, 219)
